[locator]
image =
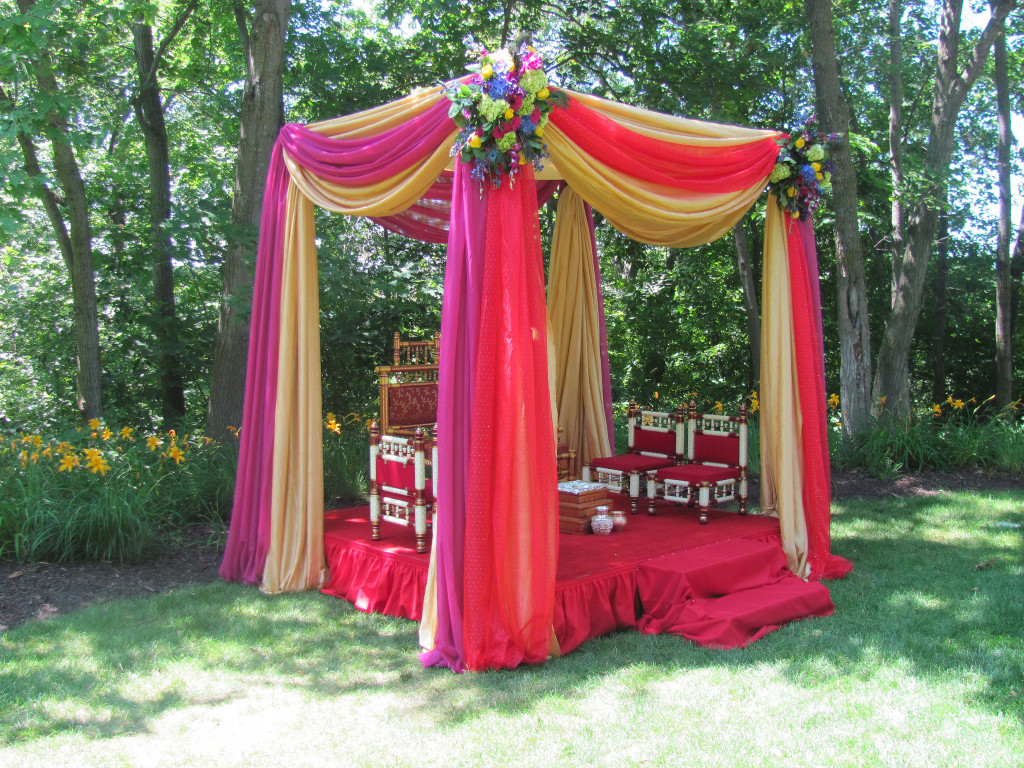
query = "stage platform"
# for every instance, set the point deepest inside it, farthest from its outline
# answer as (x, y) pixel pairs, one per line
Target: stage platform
(724, 584)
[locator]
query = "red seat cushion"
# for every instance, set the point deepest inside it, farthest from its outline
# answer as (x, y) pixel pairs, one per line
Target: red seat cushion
(631, 462)
(698, 473)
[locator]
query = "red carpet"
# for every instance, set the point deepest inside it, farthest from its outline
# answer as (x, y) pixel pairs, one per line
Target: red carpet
(723, 584)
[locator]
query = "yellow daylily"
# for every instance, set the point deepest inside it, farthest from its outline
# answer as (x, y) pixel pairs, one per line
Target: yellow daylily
(153, 442)
(68, 462)
(126, 433)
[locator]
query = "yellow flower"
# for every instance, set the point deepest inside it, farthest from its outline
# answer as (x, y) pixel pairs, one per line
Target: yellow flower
(126, 433)
(791, 191)
(719, 408)
(48, 451)
(818, 176)
(332, 424)
(487, 72)
(65, 447)
(655, 395)
(92, 454)
(474, 140)
(207, 440)
(23, 458)
(35, 457)
(881, 400)
(175, 453)
(755, 404)
(833, 401)
(233, 430)
(94, 423)
(800, 143)
(107, 434)
(949, 399)
(539, 133)
(153, 442)
(937, 409)
(816, 167)
(98, 466)
(958, 404)
(68, 462)
(543, 93)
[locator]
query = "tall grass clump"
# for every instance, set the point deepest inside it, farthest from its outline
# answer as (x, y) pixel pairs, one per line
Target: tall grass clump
(94, 494)
(346, 460)
(946, 437)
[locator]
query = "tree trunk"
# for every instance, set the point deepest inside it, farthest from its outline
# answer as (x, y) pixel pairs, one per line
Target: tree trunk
(896, 133)
(261, 120)
(745, 262)
(892, 373)
(1004, 286)
(939, 335)
(78, 233)
(149, 110)
(851, 281)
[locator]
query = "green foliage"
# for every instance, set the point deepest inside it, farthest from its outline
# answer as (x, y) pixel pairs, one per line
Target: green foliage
(100, 495)
(346, 460)
(951, 438)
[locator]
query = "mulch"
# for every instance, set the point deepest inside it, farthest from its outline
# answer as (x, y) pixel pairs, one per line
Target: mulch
(43, 590)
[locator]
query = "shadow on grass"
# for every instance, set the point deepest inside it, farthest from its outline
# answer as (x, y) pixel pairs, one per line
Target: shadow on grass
(915, 602)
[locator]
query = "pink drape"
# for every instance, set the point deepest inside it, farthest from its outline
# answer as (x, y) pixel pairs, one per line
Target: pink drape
(810, 367)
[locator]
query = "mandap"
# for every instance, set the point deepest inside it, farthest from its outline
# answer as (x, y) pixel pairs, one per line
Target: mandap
(511, 359)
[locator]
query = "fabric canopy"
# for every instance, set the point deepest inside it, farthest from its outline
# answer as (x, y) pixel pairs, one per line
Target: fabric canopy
(659, 179)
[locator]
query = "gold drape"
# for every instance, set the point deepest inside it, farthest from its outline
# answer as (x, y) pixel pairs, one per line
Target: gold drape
(295, 558)
(576, 328)
(781, 453)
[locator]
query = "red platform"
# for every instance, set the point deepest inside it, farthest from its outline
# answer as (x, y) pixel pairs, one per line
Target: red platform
(723, 584)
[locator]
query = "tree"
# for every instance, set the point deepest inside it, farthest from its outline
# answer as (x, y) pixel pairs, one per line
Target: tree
(68, 211)
(149, 111)
(892, 375)
(262, 112)
(851, 286)
(1004, 285)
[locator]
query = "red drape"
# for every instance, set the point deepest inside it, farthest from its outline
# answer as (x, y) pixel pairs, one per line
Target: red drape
(511, 506)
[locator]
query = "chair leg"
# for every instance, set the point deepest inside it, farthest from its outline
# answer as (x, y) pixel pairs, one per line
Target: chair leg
(375, 516)
(652, 492)
(704, 502)
(634, 493)
(743, 494)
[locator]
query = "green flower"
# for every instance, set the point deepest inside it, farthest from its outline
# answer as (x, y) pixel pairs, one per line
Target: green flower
(492, 109)
(815, 153)
(779, 172)
(506, 142)
(533, 80)
(527, 107)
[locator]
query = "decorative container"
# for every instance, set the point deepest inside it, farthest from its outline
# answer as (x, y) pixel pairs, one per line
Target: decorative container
(602, 522)
(619, 519)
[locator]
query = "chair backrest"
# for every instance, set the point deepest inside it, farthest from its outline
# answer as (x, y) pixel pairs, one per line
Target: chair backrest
(408, 389)
(408, 398)
(417, 351)
(657, 433)
(716, 439)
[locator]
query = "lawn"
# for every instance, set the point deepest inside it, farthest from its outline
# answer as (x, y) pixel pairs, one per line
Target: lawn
(922, 665)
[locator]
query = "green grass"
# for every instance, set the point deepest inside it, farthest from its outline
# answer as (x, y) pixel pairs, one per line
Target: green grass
(922, 665)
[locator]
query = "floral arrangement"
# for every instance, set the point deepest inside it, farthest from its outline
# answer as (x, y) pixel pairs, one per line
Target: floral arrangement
(803, 172)
(502, 110)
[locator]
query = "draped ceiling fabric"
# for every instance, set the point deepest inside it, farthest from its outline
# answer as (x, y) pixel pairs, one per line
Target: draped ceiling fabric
(659, 179)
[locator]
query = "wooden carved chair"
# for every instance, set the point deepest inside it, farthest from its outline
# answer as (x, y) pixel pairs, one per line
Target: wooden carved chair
(403, 485)
(656, 441)
(715, 471)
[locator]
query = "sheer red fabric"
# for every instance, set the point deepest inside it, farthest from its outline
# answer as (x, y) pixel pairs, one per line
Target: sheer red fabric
(714, 170)
(817, 492)
(512, 502)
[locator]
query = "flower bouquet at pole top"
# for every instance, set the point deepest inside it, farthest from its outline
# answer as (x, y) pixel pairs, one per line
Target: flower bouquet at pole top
(502, 110)
(803, 171)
